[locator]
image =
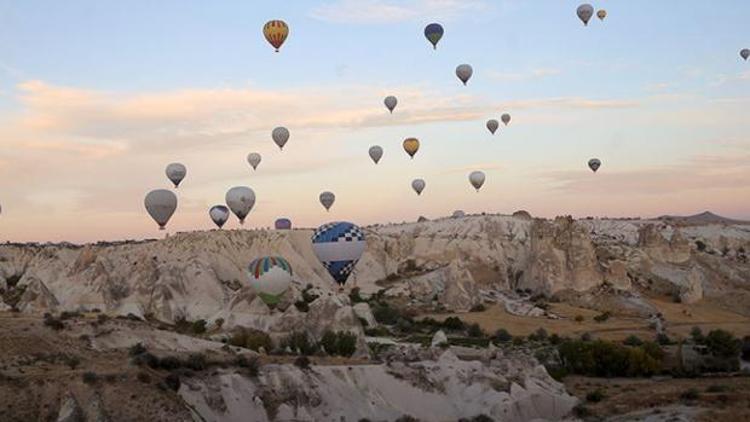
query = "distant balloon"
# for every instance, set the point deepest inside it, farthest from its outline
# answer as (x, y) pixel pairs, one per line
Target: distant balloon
(458, 214)
(585, 12)
(745, 53)
(270, 277)
(283, 224)
(418, 186)
(219, 215)
(476, 178)
(464, 72)
(276, 32)
(253, 159)
(280, 135)
(175, 173)
(339, 246)
(161, 205)
(433, 32)
(505, 118)
(240, 199)
(390, 102)
(327, 199)
(411, 146)
(594, 164)
(376, 153)
(601, 14)
(492, 125)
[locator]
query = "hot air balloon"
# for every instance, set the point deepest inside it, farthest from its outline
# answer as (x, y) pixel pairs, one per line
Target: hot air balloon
(276, 32)
(601, 14)
(175, 173)
(492, 125)
(411, 146)
(161, 204)
(585, 12)
(219, 215)
(594, 164)
(745, 53)
(339, 246)
(505, 118)
(253, 159)
(240, 199)
(283, 224)
(418, 186)
(476, 178)
(327, 198)
(390, 102)
(270, 277)
(280, 135)
(376, 153)
(433, 32)
(464, 72)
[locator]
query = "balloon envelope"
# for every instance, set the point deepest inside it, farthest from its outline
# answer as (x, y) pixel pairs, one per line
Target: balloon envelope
(276, 32)
(411, 146)
(280, 135)
(161, 205)
(476, 178)
(219, 215)
(390, 102)
(339, 246)
(505, 118)
(492, 125)
(270, 277)
(585, 12)
(433, 32)
(464, 72)
(283, 224)
(376, 153)
(601, 14)
(253, 159)
(418, 186)
(594, 164)
(240, 199)
(327, 199)
(745, 53)
(175, 173)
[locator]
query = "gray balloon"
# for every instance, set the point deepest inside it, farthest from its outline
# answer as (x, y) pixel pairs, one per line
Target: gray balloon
(505, 118)
(240, 199)
(327, 199)
(464, 72)
(253, 159)
(219, 214)
(476, 178)
(175, 173)
(376, 153)
(161, 205)
(390, 102)
(280, 135)
(585, 12)
(492, 125)
(594, 164)
(745, 53)
(418, 186)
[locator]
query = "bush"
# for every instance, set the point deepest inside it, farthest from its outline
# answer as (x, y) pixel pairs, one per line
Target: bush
(555, 339)
(146, 359)
(302, 306)
(697, 335)
(339, 343)
(579, 318)
(219, 322)
(717, 388)
(478, 308)
(137, 349)
(196, 362)
(251, 339)
(663, 339)
(300, 343)
(691, 394)
(144, 377)
(90, 377)
(723, 344)
(475, 331)
(384, 314)
(539, 335)
(581, 411)
(199, 326)
(632, 340)
(354, 296)
(251, 364)
(602, 358)
(169, 363)
(102, 318)
(595, 396)
(453, 323)
(602, 317)
(172, 381)
(53, 323)
(302, 362)
(69, 315)
(502, 336)
(700, 245)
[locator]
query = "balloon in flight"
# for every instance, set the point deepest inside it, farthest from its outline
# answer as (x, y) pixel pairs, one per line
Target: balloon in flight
(390, 102)
(476, 178)
(276, 32)
(464, 72)
(219, 215)
(280, 135)
(594, 164)
(745, 53)
(492, 125)
(253, 159)
(601, 14)
(584, 12)
(433, 32)
(327, 199)
(376, 153)
(338, 246)
(240, 199)
(161, 205)
(411, 146)
(505, 118)
(283, 224)
(270, 277)
(418, 186)
(175, 173)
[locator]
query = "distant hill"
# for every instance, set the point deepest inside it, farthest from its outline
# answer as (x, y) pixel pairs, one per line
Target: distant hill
(703, 218)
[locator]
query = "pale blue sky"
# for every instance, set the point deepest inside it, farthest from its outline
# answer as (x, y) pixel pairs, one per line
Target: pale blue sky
(657, 91)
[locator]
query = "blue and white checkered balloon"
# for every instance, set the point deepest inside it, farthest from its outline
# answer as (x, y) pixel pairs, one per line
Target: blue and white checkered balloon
(339, 246)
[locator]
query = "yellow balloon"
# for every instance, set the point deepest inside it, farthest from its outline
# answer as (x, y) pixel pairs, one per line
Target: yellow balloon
(276, 32)
(411, 146)
(601, 14)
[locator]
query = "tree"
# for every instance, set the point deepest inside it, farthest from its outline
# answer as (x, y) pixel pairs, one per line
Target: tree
(723, 344)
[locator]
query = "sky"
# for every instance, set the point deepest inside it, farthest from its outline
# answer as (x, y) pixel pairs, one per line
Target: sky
(96, 98)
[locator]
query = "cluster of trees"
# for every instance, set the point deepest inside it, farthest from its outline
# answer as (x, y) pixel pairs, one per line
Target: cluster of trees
(332, 343)
(603, 358)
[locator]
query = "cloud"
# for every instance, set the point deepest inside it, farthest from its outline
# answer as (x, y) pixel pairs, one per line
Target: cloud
(385, 11)
(532, 74)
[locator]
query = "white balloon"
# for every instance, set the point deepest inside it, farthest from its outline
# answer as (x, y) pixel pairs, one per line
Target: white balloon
(253, 159)
(219, 215)
(418, 186)
(161, 205)
(390, 102)
(176, 172)
(376, 153)
(327, 199)
(280, 136)
(464, 72)
(476, 178)
(492, 125)
(585, 12)
(240, 199)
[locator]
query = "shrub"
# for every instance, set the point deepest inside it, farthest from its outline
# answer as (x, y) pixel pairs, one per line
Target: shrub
(354, 296)
(300, 343)
(453, 323)
(539, 335)
(407, 418)
(633, 340)
(595, 396)
(663, 339)
(146, 359)
(196, 362)
(717, 388)
(169, 363)
(144, 377)
(339, 343)
(700, 245)
(69, 315)
(219, 322)
(581, 411)
(723, 344)
(384, 314)
(475, 331)
(691, 394)
(90, 377)
(172, 381)
(479, 307)
(579, 318)
(302, 306)
(102, 318)
(608, 359)
(602, 317)
(137, 349)
(586, 337)
(502, 336)
(251, 364)
(697, 335)
(53, 323)
(256, 339)
(302, 362)
(555, 339)
(199, 326)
